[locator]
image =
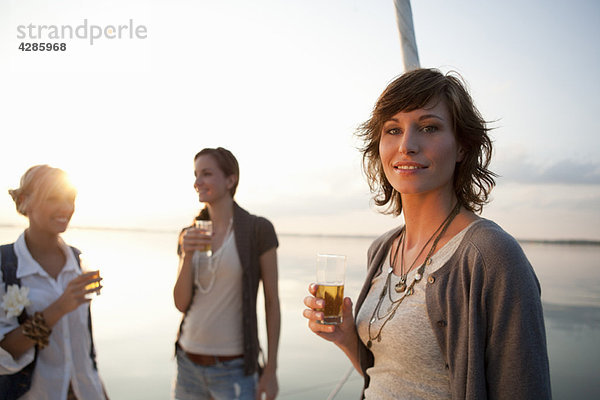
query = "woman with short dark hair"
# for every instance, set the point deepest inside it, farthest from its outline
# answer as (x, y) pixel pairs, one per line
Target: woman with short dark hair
(451, 306)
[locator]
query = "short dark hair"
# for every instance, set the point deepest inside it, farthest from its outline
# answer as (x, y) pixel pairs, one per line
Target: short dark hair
(473, 181)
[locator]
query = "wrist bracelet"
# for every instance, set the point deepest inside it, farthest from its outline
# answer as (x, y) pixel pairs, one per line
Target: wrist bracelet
(37, 330)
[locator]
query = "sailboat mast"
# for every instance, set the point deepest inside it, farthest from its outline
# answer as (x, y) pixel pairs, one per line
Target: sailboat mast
(406, 29)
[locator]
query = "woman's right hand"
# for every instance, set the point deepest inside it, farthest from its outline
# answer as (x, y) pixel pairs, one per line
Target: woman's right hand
(75, 292)
(15, 341)
(343, 334)
(194, 239)
(190, 240)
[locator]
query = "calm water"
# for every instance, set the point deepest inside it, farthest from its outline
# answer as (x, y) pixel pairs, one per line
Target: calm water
(135, 321)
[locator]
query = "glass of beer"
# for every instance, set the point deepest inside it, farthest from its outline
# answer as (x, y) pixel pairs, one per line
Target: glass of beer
(202, 256)
(331, 272)
(205, 227)
(95, 286)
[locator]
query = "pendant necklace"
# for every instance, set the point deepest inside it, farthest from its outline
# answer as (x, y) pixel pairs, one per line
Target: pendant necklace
(401, 286)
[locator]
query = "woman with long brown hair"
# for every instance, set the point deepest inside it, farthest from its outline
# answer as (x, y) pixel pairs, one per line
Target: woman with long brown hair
(218, 348)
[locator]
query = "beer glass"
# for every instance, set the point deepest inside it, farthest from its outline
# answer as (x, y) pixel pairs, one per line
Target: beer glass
(331, 271)
(85, 268)
(202, 256)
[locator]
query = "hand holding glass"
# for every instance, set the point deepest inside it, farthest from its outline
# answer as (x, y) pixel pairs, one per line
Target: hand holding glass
(331, 271)
(205, 252)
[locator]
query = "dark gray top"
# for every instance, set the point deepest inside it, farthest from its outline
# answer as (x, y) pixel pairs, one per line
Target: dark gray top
(485, 310)
(254, 236)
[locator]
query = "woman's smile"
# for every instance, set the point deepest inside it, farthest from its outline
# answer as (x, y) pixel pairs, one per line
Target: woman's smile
(407, 167)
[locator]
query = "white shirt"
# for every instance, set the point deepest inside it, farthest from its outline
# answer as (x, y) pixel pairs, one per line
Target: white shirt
(67, 357)
(213, 324)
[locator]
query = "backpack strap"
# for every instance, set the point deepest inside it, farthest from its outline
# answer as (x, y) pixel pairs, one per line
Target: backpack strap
(77, 254)
(15, 385)
(9, 272)
(9, 265)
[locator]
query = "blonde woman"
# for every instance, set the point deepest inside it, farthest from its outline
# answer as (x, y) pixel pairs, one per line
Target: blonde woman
(46, 348)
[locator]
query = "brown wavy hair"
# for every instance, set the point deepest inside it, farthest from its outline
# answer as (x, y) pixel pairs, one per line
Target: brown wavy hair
(473, 181)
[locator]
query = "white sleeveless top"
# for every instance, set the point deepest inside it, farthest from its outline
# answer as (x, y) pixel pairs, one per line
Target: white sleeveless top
(213, 324)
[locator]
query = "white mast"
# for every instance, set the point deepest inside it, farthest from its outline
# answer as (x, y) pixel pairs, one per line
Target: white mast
(408, 43)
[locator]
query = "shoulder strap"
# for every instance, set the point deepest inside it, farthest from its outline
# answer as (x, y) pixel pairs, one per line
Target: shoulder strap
(77, 253)
(15, 385)
(9, 265)
(9, 272)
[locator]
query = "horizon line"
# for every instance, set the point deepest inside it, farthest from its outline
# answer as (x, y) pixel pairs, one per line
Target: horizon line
(571, 241)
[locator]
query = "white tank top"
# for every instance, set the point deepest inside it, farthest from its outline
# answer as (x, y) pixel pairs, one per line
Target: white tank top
(213, 324)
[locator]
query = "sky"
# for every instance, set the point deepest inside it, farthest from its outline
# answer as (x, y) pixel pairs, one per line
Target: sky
(284, 85)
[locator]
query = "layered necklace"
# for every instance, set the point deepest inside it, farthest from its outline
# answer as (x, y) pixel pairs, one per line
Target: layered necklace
(214, 262)
(402, 287)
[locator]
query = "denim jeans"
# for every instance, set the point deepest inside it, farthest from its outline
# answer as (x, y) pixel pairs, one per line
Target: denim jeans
(222, 381)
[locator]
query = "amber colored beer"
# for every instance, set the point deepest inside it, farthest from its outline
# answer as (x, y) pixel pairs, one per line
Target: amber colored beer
(205, 228)
(334, 299)
(206, 248)
(93, 285)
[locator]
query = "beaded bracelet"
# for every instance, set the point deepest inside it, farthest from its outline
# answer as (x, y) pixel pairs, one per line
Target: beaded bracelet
(37, 330)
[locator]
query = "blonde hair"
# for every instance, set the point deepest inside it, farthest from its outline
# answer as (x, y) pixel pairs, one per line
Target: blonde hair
(37, 183)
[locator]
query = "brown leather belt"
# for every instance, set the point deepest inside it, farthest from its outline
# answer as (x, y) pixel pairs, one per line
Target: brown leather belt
(206, 360)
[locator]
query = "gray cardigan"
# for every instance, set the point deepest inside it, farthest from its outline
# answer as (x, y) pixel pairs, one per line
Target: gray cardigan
(485, 310)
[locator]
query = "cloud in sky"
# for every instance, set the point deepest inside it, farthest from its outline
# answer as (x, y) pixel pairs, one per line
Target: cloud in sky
(564, 171)
(547, 211)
